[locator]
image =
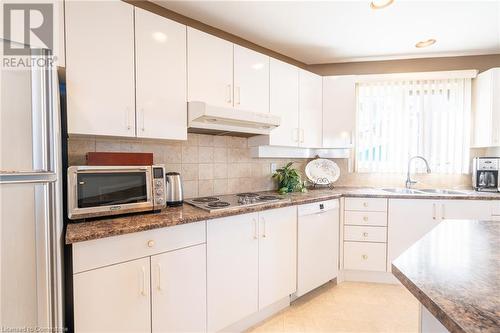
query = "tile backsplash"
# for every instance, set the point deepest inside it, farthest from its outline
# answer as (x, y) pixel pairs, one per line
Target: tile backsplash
(208, 164)
(211, 164)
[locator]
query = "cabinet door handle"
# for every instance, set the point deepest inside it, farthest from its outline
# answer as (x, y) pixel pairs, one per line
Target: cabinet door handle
(229, 99)
(433, 211)
(365, 234)
(255, 229)
(143, 282)
(364, 257)
(295, 135)
(442, 211)
(365, 204)
(159, 277)
(237, 95)
(142, 115)
(301, 135)
(127, 118)
(365, 218)
(263, 227)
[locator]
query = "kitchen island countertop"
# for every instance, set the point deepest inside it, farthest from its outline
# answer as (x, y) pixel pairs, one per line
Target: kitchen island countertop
(454, 272)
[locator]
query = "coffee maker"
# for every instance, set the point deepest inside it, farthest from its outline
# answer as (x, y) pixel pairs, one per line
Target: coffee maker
(485, 174)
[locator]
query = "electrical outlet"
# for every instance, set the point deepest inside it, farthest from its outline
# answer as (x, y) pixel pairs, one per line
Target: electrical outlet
(273, 168)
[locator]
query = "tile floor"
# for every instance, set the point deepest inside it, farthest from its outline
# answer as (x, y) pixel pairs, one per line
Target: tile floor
(348, 307)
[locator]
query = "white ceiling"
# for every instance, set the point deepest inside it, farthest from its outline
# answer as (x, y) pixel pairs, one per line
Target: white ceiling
(337, 31)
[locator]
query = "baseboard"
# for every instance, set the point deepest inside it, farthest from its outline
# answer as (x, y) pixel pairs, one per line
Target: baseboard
(367, 276)
(258, 317)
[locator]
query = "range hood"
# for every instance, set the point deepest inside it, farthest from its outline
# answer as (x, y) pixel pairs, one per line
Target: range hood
(205, 118)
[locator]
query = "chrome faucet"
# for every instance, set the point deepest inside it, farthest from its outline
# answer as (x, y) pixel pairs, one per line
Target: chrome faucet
(410, 182)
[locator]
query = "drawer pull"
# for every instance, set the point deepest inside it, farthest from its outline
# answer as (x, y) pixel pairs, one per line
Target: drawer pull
(365, 218)
(365, 234)
(364, 257)
(365, 204)
(151, 243)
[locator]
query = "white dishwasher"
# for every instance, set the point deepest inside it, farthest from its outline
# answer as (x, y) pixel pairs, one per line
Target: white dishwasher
(318, 244)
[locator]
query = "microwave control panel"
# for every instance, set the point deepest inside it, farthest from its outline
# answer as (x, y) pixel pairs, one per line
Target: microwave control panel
(159, 185)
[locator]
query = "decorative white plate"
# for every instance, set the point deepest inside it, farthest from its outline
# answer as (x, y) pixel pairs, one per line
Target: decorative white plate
(322, 171)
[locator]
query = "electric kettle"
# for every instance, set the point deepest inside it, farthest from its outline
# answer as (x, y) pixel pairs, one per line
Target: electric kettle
(174, 189)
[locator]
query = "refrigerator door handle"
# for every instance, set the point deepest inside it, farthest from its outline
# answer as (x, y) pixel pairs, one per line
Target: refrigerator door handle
(43, 117)
(28, 177)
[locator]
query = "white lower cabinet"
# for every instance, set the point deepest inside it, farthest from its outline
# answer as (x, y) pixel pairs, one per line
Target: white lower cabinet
(364, 256)
(365, 234)
(178, 290)
(251, 261)
(232, 269)
(411, 219)
(466, 209)
(162, 291)
(277, 255)
(114, 298)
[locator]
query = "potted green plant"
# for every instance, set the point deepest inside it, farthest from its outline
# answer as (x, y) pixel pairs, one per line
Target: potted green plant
(289, 180)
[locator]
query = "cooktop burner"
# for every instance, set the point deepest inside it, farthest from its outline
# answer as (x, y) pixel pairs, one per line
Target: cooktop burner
(218, 204)
(206, 199)
(235, 201)
(247, 194)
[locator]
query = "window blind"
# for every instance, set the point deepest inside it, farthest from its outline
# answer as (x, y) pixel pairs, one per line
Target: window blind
(400, 119)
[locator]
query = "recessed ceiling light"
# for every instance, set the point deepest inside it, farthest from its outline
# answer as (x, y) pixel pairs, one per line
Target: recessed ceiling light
(425, 43)
(379, 4)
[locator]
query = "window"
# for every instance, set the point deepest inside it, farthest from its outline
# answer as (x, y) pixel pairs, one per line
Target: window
(400, 119)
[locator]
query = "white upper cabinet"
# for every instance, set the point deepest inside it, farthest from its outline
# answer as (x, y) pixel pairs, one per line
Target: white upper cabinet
(251, 80)
(486, 108)
(310, 110)
(100, 68)
(277, 254)
(160, 77)
(284, 102)
(106, 96)
(210, 69)
(339, 111)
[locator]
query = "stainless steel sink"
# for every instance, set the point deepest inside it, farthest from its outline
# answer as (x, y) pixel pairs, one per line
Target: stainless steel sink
(423, 191)
(402, 190)
(439, 191)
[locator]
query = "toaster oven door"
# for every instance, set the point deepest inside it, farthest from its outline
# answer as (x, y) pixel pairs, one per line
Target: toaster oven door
(108, 191)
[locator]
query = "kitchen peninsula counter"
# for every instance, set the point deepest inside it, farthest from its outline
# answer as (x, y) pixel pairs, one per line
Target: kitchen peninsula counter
(454, 272)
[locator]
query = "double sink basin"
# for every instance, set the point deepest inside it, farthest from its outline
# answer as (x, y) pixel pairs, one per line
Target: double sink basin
(423, 191)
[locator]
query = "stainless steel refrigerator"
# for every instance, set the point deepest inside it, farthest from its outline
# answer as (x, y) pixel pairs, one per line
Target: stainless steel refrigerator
(31, 228)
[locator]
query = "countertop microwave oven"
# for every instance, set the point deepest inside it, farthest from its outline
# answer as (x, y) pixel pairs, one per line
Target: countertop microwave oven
(95, 191)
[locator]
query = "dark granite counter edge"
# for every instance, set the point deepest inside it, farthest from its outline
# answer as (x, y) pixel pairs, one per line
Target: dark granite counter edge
(203, 217)
(426, 301)
(295, 199)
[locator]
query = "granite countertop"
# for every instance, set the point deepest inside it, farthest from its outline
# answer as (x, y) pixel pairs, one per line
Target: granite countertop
(454, 271)
(113, 226)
